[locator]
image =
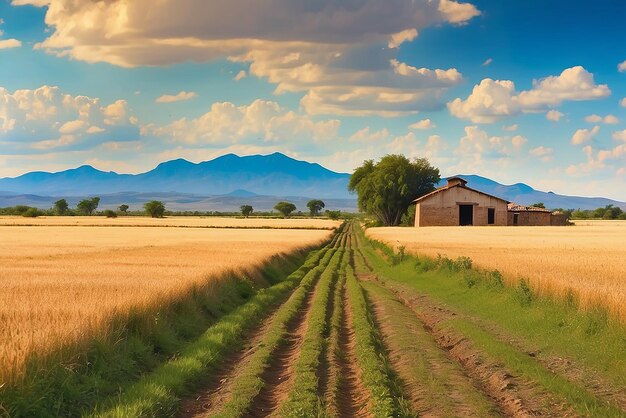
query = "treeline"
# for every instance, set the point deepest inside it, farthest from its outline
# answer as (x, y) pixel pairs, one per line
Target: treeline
(608, 212)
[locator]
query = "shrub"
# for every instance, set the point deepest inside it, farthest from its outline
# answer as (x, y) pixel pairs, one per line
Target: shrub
(523, 293)
(110, 213)
(31, 213)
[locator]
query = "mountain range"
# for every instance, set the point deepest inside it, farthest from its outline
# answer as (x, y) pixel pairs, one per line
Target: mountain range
(226, 182)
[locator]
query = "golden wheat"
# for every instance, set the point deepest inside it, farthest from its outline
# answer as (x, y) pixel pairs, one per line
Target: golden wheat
(588, 258)
(59, 284)
(170, 221)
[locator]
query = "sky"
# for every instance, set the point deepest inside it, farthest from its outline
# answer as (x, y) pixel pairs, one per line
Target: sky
(529, 91)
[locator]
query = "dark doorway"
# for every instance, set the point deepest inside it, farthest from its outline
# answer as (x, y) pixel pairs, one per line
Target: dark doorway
(515, 218)
(491, 216)
(466, 215)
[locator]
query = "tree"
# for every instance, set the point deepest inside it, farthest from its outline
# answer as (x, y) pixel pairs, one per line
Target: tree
(155, 208)
(538, 205)
(61, 206)
(315, 206)
(386, 189)
(333, 214)
(88, 206)
(246, 210)
(285, 208)
(123, 208)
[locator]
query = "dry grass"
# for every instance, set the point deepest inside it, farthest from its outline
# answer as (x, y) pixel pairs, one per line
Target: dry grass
(173, 221)
(589, 258)
(58, 284)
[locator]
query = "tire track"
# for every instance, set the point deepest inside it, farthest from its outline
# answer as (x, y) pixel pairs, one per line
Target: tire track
(278, 376)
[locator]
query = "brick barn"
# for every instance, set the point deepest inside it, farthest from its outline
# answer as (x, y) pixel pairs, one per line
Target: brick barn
(456, 204)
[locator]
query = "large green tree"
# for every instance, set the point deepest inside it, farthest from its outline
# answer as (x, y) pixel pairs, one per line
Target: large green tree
(315, 206)
(88, 206)
(285, 208)
(386, 189)
(61, 207)
(246, 210)
(154, 208)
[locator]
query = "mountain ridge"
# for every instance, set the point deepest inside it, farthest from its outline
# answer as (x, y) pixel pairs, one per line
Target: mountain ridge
(255, 177)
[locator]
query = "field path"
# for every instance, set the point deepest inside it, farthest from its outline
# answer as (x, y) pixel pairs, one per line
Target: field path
(353, 400)
(278, 376)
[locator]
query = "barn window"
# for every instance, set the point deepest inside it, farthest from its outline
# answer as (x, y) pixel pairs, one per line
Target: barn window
(515, 218)
(491, 216)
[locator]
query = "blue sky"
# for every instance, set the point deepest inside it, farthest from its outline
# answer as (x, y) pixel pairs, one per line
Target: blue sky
(527, 91)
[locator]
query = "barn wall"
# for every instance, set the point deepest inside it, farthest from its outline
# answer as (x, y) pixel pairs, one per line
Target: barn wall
(530, 218)
(442, 209)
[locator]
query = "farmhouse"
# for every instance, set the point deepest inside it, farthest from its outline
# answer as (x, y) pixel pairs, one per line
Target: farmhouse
(456, 204)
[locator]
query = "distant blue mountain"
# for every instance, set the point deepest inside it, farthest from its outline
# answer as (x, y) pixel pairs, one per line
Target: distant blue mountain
(230, 180)
(525, 195)
(274, 174)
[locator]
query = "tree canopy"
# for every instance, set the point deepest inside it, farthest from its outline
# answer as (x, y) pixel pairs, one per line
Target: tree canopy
(386, 189)
(155, 208)
(61, 206)
(246, 210)
(285, 208)
(123, 208)
(315, 206)
(88, 206)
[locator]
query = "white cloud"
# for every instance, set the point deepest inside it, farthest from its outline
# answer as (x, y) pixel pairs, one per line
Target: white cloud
(46, 117)
(10, 43)
(478, 144)
(608, 119)
(335, 49)
(241, 75)
(179, 97)
(554, 115)
(365, 135)
(584, 135)
(226, 123)
(621, 67)
(544, 153)
(423, 124)
(493, 100)
(597, 161)
(620, 135)
(487, 62)
(399, 38)
(511, 128)
(622, 102)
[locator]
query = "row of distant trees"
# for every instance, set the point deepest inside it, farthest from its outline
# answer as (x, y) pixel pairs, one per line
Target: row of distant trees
(87, 207)
(287, 208)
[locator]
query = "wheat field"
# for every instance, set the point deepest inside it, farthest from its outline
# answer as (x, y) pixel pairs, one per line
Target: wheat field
(58, 284)
(171, 221)
(588, 258)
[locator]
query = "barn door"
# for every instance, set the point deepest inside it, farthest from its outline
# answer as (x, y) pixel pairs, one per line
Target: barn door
(466, 215)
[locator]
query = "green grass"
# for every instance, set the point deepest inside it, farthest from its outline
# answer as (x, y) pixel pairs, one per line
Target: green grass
(369, 358)
(249, 384)
(303, 400)
(492, 315)
(158, 393)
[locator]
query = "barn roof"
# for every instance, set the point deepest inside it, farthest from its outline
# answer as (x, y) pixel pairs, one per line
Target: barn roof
(452, 185)
(514, 207)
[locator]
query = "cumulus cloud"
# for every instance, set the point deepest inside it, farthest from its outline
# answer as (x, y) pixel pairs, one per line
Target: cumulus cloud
(493, 100)
(318, 49)
(366, 135)
(608, 119)
(620, 135)
(598, 160)
(544, 153)
(622, 102)
(226, 123)
(46, 118)
(241, 75)
(179, 97)
(621, 67)
(584, 135)
(479, 144)
(423, 124)
(554, 115)
(10, 43)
